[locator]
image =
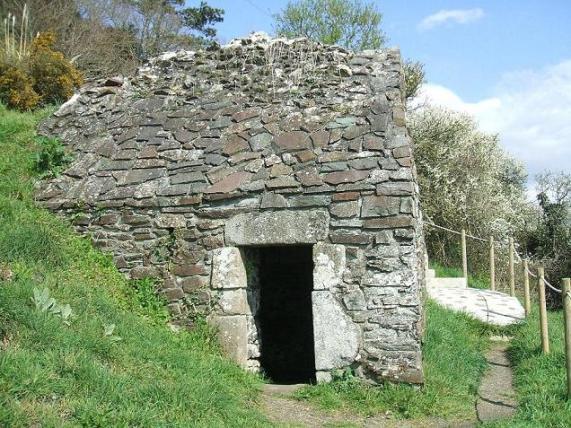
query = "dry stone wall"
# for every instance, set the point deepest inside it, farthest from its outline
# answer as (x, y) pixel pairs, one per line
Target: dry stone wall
(200, 151)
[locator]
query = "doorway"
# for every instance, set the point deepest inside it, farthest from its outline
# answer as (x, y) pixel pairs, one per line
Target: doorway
(285, 314)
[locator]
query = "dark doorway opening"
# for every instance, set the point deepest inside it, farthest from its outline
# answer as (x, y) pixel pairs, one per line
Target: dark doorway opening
(286, 322)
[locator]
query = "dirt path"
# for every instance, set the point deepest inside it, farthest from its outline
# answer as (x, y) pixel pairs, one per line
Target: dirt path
(496, 395)
(285, 411)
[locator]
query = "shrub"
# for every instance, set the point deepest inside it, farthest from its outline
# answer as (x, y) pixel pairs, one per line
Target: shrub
(466, 182)
(55, 78)
(16, 88)
(33, 73)
(51, 158)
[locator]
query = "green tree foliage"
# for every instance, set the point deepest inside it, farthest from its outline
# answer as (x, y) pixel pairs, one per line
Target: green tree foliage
(413, 78)
(201, 19)
(166, 24)
(353, 24)
(551, 240)
(466, 181)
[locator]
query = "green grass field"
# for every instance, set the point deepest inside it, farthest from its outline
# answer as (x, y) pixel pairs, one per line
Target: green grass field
(53, 374)
(474, 281)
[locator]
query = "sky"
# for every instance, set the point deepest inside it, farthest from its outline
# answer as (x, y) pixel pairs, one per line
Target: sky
(506, 62)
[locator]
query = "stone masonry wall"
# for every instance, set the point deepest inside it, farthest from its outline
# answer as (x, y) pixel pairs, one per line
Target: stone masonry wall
(165, 159)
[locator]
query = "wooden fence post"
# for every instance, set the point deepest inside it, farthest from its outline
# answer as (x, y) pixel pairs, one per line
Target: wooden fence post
(464, 255)
(527, 299)
(542, 311)
(512, 271)
(566, 297)
(492, 265)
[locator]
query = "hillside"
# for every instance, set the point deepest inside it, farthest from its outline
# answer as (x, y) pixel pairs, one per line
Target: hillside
(140, 373)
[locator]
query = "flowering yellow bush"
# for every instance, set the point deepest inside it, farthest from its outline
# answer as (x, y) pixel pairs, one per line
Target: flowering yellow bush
(16, 88)
(43, 76)
(55, 78)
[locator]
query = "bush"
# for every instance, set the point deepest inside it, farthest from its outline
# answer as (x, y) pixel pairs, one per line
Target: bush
(51, 158)
(55, 78)
(466, 182)
(40, 77)
(16, 88)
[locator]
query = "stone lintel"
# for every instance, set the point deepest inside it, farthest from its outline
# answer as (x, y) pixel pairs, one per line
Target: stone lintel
(277, 227)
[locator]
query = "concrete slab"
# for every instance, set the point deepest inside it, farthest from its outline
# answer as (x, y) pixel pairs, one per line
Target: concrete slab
(488, 306)
(447, 282)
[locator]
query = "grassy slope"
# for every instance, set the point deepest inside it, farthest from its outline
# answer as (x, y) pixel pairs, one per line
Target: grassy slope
(453, 365)
(540, 380)
(451, 272)
(74, 375)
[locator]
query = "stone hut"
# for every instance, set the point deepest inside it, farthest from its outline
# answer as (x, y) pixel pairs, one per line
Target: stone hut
(270, 185)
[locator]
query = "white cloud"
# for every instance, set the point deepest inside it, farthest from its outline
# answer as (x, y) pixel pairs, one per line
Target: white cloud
(458, 16)
(530, 110)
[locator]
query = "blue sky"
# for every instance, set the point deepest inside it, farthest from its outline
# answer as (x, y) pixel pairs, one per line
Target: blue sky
(507, 62)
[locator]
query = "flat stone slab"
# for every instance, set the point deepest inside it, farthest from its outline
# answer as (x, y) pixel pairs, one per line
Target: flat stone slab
(273, 388)
(447, 282)
(491, 307)
(278, 227)
(496, 395)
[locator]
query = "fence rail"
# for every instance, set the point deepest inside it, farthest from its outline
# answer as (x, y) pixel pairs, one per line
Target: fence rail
(515, 257)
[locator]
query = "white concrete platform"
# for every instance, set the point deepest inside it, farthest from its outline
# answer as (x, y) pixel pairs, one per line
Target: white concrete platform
(447, 282)
(491, 307)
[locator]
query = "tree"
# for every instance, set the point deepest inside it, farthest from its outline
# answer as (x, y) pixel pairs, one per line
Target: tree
(199, 21)
(353, 24)
(166, 24)
(113, 36)
(466, 180)
(551, 240)
(413, 78)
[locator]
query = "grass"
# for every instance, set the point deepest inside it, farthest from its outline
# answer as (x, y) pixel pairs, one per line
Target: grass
(53, 374)
(540, 380)
(454, 362)
(474, 281)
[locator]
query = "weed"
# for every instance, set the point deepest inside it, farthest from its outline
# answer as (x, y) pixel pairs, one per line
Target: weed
(51, 159)
(108, 330)
(149, 303)
(44, 303)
